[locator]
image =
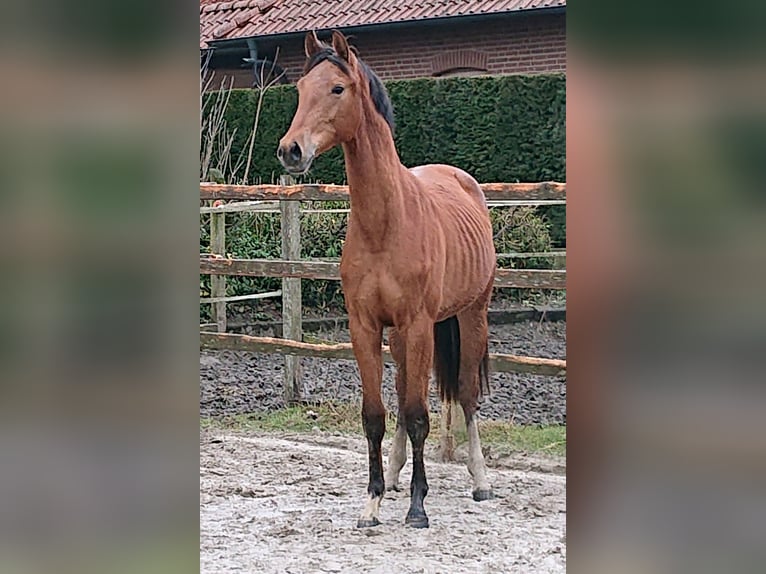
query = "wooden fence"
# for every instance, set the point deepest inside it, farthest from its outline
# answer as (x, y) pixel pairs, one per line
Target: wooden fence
(292, 269)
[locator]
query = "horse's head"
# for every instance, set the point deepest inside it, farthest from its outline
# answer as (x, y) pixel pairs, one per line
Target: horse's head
(329, 103)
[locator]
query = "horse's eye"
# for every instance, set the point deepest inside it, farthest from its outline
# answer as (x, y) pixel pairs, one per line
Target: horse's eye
(337, 90)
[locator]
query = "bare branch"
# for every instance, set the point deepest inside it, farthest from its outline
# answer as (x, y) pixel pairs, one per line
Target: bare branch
(262, 87)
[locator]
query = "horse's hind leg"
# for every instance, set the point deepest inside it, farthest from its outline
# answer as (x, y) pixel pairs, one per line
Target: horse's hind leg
(398, 455)
(446, 438)
(473, 348)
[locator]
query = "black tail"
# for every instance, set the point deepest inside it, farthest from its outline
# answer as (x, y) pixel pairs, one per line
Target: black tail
(484, 372)
(447, 357)
(447, 360)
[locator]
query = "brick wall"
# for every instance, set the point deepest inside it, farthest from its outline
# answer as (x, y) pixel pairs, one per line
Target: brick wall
(515, 44)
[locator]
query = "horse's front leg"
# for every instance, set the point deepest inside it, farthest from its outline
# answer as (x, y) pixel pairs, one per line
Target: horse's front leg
(367, 349)
(419, 339)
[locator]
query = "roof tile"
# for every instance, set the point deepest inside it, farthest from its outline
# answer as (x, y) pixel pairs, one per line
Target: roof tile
(247, 18)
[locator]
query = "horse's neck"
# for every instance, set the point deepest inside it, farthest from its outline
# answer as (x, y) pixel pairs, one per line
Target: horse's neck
(375, 180)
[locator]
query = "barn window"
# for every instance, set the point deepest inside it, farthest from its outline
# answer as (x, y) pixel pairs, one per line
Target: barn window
(459, 63)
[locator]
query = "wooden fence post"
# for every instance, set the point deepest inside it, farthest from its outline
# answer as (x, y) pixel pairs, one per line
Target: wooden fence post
(218, 282)
(290, 217)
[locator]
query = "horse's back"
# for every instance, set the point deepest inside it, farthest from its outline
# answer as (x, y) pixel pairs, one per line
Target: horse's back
(450, 179)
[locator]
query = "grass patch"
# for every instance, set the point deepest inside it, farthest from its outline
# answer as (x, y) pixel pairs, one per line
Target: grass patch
(345, 418)
(542, 439)
(342, 418)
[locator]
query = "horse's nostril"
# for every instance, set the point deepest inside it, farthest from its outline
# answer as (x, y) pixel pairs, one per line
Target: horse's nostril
(280, 152)
(295, 152)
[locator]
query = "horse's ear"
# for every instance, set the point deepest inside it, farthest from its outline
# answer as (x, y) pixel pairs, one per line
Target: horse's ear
(311, 44)
(340, 44)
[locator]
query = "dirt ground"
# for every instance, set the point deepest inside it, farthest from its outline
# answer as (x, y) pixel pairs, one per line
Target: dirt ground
(288, 503)
(237, 382)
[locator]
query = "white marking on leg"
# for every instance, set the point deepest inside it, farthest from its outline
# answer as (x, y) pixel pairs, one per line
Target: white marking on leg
(396, 458)
(476, 465)
(371, 510)
(446, 438)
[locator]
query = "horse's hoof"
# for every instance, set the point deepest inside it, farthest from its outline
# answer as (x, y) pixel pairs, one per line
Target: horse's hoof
(367, 522)
(416, 521)
(393, 487)
(479, 495)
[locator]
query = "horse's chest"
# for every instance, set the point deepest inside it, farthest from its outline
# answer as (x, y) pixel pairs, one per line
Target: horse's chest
(378, 289)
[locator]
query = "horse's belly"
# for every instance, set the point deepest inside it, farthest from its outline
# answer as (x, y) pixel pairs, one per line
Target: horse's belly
(466, 279)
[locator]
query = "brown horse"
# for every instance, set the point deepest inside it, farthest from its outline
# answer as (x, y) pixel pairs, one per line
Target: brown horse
(418, 258)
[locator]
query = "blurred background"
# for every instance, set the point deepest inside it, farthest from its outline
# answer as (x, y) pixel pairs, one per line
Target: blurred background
(666, 142)
(98, 140)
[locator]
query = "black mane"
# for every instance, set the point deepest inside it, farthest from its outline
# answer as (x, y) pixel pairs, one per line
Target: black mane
(378, 91)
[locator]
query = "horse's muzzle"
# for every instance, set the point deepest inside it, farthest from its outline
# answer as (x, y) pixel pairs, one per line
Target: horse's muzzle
(293, 158)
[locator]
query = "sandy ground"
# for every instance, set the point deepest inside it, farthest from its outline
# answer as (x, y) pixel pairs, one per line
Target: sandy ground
(289, 504)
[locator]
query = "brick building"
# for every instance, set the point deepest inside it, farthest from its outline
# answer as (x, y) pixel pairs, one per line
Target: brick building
(397, 38)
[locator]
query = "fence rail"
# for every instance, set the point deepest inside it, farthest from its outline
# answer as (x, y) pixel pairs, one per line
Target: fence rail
(291, 270)
(232, 342)
(233, 298)
(330, 270)
(323, 192)
(268, 206)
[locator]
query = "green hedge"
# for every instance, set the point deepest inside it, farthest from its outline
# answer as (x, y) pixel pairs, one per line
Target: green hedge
(498, 128)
